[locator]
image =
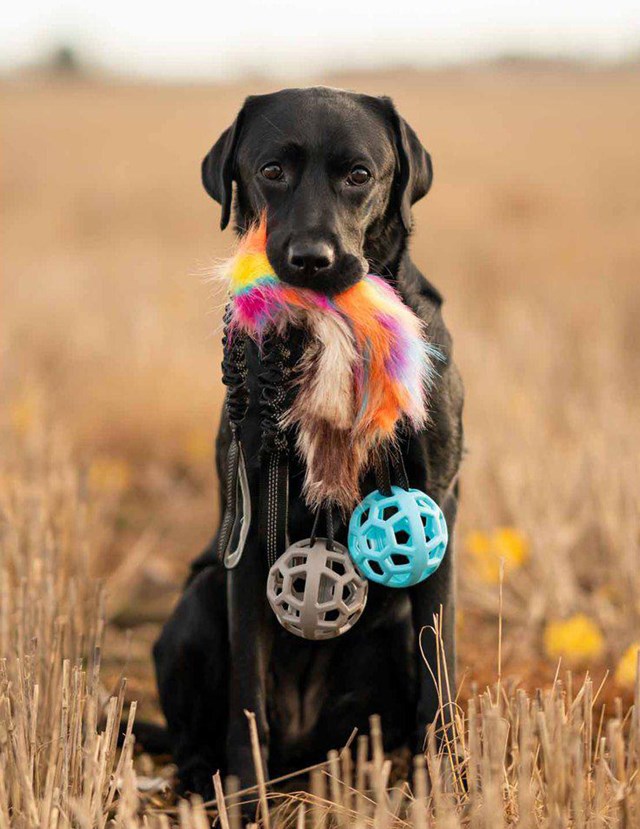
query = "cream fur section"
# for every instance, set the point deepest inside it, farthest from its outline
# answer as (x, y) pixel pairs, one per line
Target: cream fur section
(328, 392)
(324, 413)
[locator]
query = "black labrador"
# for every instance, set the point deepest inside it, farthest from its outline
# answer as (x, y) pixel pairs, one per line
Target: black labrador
(337, 173)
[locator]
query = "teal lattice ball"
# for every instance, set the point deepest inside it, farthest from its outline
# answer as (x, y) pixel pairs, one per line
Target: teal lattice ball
(397, 540)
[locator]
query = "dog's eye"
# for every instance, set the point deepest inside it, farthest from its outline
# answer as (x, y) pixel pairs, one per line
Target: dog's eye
(272, 171)
(359, 175)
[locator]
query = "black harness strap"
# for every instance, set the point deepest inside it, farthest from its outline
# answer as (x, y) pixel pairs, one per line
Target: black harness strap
(234, 377)
(275, 388)
(274, 503)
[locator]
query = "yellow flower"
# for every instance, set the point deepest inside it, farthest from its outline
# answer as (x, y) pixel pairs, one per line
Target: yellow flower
(487, 550)
(577, 640)
(108, 474)
(627, 666)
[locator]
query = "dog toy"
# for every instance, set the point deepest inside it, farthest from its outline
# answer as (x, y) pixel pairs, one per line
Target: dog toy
(397, 539)
(315, 591)
(367, 366)
(365, 370)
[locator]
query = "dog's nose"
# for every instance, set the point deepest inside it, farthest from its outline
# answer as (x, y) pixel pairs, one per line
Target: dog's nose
(310, 257)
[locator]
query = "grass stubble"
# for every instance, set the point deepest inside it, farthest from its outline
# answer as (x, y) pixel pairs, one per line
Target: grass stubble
(552, 759)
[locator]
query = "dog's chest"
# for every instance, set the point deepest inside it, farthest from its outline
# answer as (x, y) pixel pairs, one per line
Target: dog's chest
(298, 688)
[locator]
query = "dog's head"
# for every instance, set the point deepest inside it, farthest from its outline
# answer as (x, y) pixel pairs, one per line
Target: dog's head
(331, 169)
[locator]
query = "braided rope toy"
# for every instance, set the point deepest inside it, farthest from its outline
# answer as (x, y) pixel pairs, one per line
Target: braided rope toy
(366, 369)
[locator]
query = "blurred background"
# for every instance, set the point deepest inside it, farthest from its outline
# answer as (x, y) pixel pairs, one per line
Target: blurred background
(110, 330)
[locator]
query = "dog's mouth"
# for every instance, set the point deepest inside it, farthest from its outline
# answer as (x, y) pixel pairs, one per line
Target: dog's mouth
(344, 272)
(323, 267)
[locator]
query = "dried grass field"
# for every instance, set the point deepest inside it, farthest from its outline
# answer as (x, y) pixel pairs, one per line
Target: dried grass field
(110, 395)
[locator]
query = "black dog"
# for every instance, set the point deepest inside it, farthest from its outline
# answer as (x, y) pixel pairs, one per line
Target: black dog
(337, 174)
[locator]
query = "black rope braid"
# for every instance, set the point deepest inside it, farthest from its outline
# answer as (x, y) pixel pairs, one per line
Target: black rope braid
(389, 468)
(275, 390)
(274, 382)
(234, 371)
(234, 377)
(275, 374)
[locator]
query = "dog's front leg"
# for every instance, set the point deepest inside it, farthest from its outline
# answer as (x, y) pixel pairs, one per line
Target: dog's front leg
(436, 597)
(250, 639)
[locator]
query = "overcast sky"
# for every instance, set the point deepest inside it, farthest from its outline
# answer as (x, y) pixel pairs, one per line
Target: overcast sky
(224, 38)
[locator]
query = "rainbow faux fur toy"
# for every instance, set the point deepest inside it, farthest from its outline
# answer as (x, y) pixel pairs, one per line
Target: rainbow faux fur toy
(366, 368)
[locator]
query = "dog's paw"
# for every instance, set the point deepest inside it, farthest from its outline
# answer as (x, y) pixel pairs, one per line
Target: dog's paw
(196, 777)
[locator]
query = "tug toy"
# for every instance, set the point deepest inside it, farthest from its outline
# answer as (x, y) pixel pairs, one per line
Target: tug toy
(366, 369)
(367, 366)
(316, 592)
(398, 539)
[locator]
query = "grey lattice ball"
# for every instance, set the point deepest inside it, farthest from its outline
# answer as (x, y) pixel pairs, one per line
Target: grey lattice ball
(316, 593)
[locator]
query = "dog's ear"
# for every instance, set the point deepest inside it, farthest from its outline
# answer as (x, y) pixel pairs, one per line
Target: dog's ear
(218, 168)
(415, 172)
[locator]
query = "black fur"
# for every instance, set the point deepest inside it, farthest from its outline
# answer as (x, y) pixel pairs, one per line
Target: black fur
(222, 651)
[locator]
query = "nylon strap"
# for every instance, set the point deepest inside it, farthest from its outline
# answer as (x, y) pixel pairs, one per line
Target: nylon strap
(274, 503)
(383, 476)
(275, 388)
(399, 469)
(330, 527)
(388, 461)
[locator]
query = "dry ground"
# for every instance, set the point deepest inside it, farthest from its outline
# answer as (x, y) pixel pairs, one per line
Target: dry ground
(109, 342)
